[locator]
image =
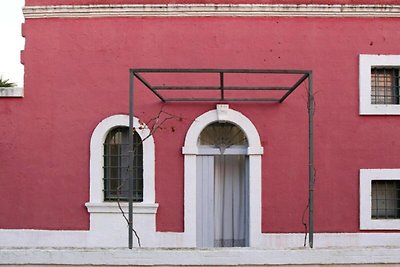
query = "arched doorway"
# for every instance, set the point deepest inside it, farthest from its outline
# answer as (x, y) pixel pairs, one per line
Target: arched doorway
(222, 187)
(223, 180)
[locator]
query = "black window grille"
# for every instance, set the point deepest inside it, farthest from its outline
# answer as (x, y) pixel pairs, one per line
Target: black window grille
(222, 134)
(116, 166)
(385, 199)
(385, 85)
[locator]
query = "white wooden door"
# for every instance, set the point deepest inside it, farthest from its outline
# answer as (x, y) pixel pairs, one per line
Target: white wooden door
(222, 201)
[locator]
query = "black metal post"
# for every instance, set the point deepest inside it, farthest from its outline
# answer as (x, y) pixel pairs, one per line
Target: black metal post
(311, 159)
(130, 196)
(221, 80)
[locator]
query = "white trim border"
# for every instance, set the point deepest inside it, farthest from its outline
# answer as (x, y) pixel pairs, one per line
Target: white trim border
(195, 257)
(204, 10)
(366, 176)
(97, 161)
(365, 64)
(112, 207)
(25, 238)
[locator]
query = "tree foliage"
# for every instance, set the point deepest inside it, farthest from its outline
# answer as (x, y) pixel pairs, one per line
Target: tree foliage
(6, 83)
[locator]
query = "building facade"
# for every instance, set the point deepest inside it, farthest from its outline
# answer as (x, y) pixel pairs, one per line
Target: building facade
(207, 173)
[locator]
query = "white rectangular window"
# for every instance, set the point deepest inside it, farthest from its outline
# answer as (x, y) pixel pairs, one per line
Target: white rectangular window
(379, 84)
(380, 199)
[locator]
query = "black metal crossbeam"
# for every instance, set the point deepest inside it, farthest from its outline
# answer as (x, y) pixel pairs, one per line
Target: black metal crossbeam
(159, 91)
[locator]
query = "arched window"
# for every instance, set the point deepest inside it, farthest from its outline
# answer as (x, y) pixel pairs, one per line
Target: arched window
(222, 136)
(116, 165)
(108, 180)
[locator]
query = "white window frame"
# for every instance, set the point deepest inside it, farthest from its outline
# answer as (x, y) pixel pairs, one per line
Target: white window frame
(366, 62)
(366, 177)
(97, 203)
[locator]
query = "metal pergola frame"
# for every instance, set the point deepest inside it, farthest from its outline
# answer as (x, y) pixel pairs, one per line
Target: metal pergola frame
(222, 90)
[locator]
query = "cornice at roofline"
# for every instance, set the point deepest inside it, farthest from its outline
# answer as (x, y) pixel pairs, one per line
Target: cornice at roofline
(208, 10)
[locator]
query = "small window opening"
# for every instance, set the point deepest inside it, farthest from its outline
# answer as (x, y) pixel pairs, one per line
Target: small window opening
(385, 85)
(116, 166)
(385, 199)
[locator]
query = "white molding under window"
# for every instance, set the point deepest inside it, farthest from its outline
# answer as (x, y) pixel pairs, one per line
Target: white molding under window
(11, 92)
(112, 207)
(201, 10)
(366, 177)
(366, 62)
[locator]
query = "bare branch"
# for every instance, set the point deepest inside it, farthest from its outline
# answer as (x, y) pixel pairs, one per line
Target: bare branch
(153, 125)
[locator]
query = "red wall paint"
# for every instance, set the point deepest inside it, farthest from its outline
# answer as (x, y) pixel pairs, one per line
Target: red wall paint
(76, 74)
(86, 2)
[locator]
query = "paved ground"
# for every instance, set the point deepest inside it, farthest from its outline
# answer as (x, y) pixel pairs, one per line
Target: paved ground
(367, 256)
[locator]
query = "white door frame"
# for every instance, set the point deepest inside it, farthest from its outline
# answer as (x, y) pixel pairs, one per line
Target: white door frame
(254, 151)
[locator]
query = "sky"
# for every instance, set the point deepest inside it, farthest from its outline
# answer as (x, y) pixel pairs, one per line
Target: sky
(11, 41)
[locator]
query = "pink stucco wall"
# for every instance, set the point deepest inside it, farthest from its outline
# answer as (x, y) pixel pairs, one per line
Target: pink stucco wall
(76, 74)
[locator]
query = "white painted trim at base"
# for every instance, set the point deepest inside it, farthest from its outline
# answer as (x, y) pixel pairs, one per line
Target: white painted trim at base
(11, 92)
(209, 257)
(92, 239)
(205, 10)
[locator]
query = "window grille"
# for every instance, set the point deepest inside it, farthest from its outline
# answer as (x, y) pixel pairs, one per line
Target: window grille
(385, 199)
(384, 85)
(116, 166)
(222, 136)
(222, 133)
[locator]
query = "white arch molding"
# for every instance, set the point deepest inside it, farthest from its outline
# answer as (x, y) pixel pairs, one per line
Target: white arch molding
(96, 157)
(254, 152)
(106, 216)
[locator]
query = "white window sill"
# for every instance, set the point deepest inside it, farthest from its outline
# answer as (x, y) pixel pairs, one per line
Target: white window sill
(370, 109)
(112, 207)
(11, 92)
(378, 224)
